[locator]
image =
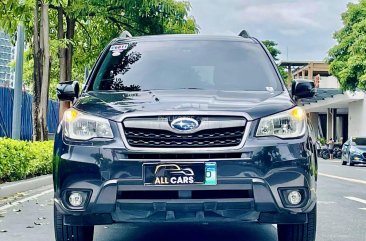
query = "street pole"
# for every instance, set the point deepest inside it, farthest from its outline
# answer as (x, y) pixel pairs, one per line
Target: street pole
(18, 82)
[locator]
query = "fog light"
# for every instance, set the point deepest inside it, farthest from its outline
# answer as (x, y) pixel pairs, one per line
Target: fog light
(76, 199)
(294, 197)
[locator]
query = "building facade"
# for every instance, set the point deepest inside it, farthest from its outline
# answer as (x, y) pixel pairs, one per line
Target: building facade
(333, 113)
(7, 54)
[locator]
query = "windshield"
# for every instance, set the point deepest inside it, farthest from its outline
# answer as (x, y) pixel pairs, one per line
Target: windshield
(359, 141)
(167, 65)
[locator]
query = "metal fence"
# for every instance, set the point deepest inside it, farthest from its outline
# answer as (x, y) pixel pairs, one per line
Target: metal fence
(6, 114)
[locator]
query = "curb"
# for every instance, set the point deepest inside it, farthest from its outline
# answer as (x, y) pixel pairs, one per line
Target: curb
(11, 188)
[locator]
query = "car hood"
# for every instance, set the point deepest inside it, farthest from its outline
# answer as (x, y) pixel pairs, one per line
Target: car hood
(112, 105)
(359, 148)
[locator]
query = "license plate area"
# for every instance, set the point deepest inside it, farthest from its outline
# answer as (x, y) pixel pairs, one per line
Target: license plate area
(178, 174)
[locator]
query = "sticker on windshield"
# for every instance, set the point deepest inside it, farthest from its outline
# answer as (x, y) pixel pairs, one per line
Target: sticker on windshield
(270, 89)
(118, 48)
(116, 53)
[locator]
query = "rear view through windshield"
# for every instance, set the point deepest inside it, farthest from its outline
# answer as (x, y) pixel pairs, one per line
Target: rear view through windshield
(359, 141)
(167, 65)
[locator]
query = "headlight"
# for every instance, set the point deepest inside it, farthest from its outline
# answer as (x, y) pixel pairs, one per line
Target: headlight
(287, 124)
(79, 126)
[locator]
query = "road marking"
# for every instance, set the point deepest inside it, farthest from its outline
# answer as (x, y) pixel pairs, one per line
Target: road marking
(334, 165)
(343, 178)
(363, 209)
(357, 199)
(326, 202)
(15, 203)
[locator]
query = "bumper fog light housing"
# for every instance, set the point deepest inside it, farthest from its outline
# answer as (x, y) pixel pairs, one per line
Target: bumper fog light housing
(76, 199)
(294, 197)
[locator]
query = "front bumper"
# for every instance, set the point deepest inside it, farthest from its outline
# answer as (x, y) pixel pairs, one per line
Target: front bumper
(106, 206)
(358, 159)
(252, 182)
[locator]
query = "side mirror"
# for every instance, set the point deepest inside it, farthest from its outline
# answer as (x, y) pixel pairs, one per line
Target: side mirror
(302, 88)
(68, 91)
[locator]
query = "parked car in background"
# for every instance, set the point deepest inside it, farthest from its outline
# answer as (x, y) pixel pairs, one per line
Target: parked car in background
(354, 151)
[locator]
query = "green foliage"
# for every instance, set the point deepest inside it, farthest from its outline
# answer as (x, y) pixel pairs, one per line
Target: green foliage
(11, 13)
(275, 52)
(97, 23)
(272, 48)
(348, 58)
(22, 159)
(283, 73)
(322, 141)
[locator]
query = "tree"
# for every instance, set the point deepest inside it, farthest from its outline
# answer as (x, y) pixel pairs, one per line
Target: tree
(78, 22)
(348, 57)
(34, 15)
(41, 70)
(272, 48)
(275, 52)
(79, 30)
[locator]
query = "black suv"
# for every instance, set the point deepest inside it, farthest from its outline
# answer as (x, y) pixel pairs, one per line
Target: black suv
(184, 128)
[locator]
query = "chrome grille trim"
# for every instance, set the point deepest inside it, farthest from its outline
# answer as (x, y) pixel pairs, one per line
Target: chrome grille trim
(205, 138)
(214, 122)
(185, 149)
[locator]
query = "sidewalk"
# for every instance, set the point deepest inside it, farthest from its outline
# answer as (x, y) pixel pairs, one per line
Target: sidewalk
(11, 188)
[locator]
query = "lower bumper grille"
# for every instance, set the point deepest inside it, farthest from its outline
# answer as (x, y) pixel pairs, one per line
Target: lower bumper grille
(196, 194)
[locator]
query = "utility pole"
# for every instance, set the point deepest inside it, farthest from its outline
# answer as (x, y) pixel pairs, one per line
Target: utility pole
(18, 82)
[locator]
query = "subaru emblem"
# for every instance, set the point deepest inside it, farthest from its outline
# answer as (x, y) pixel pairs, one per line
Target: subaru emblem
(184, 124)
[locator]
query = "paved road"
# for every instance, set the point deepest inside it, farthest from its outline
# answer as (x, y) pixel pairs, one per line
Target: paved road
(341, 213)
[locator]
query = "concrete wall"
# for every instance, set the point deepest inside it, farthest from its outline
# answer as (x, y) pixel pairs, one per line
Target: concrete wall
(357, 118)
(329, 82)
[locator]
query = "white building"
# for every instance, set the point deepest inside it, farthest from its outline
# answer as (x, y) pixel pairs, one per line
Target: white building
(332, 112)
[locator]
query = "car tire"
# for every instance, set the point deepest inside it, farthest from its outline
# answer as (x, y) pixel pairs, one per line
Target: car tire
(344, 163)
(351, 164)
(71, 233)
(299, 232)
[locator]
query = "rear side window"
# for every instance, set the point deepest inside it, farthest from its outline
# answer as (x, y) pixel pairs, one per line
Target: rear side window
(167, 65)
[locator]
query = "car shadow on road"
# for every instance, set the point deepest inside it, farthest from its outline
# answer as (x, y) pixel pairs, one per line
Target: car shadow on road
(186, 232)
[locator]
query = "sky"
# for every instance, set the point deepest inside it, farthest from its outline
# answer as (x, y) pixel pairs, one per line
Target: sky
(303, 29)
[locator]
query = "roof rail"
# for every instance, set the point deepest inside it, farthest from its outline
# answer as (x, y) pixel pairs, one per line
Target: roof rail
(125, 34)
(244, 34)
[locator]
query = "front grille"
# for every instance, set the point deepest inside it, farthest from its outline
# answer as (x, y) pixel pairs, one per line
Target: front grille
(222, 137)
